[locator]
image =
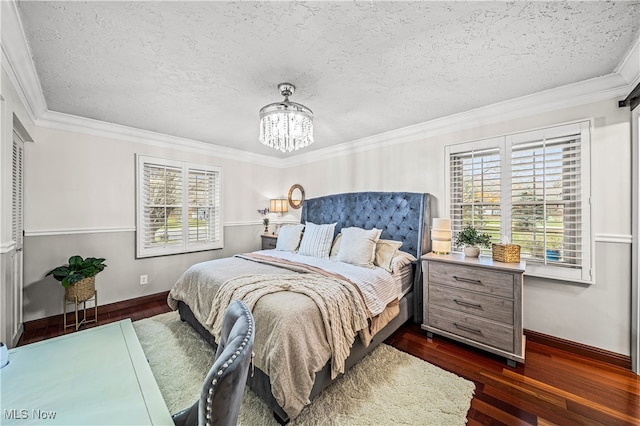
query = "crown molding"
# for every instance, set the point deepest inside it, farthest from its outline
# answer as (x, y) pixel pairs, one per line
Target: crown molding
(18, 63)
(21, 70)
(588, 91)
(629, 68)
(74, 123)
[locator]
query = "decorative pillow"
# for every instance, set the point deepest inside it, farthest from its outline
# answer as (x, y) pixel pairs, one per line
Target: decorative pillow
(316, 240)
(358, 246)
(335, 247)
(402, 258)
(385, 252)
(289, 237)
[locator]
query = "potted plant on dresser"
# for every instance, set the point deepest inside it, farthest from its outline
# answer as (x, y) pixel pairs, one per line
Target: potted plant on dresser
(78, 277)
(471, 239)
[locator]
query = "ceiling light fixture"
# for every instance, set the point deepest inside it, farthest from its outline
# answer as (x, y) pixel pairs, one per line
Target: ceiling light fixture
(285, 125)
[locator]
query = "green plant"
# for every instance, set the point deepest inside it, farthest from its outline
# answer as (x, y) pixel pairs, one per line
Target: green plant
(470, 236)
(77, 269)
(265, 221)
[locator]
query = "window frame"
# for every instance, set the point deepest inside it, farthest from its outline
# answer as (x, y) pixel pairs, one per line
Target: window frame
(585, 274)
(185, 246)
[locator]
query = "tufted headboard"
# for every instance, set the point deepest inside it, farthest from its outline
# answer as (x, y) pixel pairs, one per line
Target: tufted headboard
(402, 216)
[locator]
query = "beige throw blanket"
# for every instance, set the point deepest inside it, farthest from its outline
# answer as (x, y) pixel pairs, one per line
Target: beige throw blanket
(290, 342)
(340, 304)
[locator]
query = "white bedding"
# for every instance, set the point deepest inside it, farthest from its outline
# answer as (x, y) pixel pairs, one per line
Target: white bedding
(378, 286)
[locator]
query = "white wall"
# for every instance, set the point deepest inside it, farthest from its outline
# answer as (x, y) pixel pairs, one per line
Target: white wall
(596, 315)
(80, 199)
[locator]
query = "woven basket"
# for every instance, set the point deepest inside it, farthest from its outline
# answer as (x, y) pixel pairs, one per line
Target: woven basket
(508, 253)
(83, 290)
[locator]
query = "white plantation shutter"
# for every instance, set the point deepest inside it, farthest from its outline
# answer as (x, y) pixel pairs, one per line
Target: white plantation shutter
(204, 206)
(531, 189)
(179, 207)
(162, 204)
(475, 191)
(546, 208)
(16, 191)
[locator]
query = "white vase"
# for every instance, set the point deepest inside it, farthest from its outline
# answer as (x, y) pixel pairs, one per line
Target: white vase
(472, 251)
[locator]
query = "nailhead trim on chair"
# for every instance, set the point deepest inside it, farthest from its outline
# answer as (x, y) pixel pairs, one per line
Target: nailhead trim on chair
(226, 365)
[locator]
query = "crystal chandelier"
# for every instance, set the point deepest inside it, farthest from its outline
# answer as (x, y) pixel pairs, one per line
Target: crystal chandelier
(285, 125)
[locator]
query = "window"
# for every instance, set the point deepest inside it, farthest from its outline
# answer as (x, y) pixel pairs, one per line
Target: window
(179, 207)
(531, 189)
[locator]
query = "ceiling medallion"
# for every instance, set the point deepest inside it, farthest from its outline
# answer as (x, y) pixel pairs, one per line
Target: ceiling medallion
(286, 125)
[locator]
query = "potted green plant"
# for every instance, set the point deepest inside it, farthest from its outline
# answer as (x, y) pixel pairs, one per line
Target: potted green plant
(78, 277)
(470, 239)
(265, 222)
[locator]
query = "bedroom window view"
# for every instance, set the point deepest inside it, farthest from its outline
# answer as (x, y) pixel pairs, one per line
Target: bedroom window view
(527, 189)
(179, 207)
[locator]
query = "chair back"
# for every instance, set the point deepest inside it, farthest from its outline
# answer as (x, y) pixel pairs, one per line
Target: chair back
(223, 389)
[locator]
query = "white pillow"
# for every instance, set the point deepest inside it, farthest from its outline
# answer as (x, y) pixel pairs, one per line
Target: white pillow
(386, 250)
(316, 240)
(289, 237)
(358, 246)
(402, 258)
(335, 247)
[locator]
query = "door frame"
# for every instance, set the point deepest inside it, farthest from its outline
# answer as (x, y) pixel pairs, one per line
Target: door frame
(635, 250)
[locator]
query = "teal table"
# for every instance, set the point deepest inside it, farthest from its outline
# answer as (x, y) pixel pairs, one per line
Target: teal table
(98, 376)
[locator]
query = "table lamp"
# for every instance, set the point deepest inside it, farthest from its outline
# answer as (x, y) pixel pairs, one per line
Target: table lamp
(441, 236)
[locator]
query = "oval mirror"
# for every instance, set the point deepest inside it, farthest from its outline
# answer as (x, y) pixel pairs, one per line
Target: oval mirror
(296, 196)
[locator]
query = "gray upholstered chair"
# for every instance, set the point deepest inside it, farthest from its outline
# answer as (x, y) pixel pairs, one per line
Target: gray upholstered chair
(221, 395)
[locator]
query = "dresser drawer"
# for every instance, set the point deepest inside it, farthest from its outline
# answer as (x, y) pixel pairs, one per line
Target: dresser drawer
(472, 278)
(482, 305)
(471, 327)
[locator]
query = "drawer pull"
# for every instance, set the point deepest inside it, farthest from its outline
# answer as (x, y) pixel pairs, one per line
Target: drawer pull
(465, 328)
(467, 280)
(468, 304)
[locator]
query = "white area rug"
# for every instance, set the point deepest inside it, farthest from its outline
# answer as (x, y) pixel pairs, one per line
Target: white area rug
(387, 387)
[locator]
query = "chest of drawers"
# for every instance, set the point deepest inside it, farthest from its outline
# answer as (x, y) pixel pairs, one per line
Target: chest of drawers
(269, 241)
(477, 301)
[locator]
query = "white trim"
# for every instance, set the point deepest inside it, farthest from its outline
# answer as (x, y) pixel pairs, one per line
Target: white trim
(614, 238)
(23, 74)
(77, 124)
(629, 68)
(74, 231)
(593, 90)
(635, 251)
(20, 67)
(7, 247)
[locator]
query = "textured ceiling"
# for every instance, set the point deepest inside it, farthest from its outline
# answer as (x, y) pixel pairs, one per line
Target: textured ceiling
(202, 70)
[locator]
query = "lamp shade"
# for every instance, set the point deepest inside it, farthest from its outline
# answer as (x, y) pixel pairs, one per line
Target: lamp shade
(278, 205)
(441, 236)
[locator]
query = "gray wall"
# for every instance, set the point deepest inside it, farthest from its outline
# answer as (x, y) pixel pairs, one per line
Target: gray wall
(43, 296)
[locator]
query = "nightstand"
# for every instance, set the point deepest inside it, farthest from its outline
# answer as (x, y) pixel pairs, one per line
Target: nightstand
(477, 301)
(268, 241)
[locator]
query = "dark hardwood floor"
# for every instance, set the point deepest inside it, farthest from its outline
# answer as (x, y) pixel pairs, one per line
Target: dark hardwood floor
(553, 387)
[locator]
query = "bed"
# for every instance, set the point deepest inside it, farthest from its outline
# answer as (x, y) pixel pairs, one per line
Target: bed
(402, 217)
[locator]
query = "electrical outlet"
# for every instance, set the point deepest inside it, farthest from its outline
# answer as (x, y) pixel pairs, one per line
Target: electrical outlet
(144, 279)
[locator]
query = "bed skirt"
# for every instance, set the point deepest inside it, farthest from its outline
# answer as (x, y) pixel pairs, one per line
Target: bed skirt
(260, 382)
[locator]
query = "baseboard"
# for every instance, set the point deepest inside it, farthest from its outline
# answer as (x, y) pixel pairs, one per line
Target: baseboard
(57, 320)
(612, 358)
